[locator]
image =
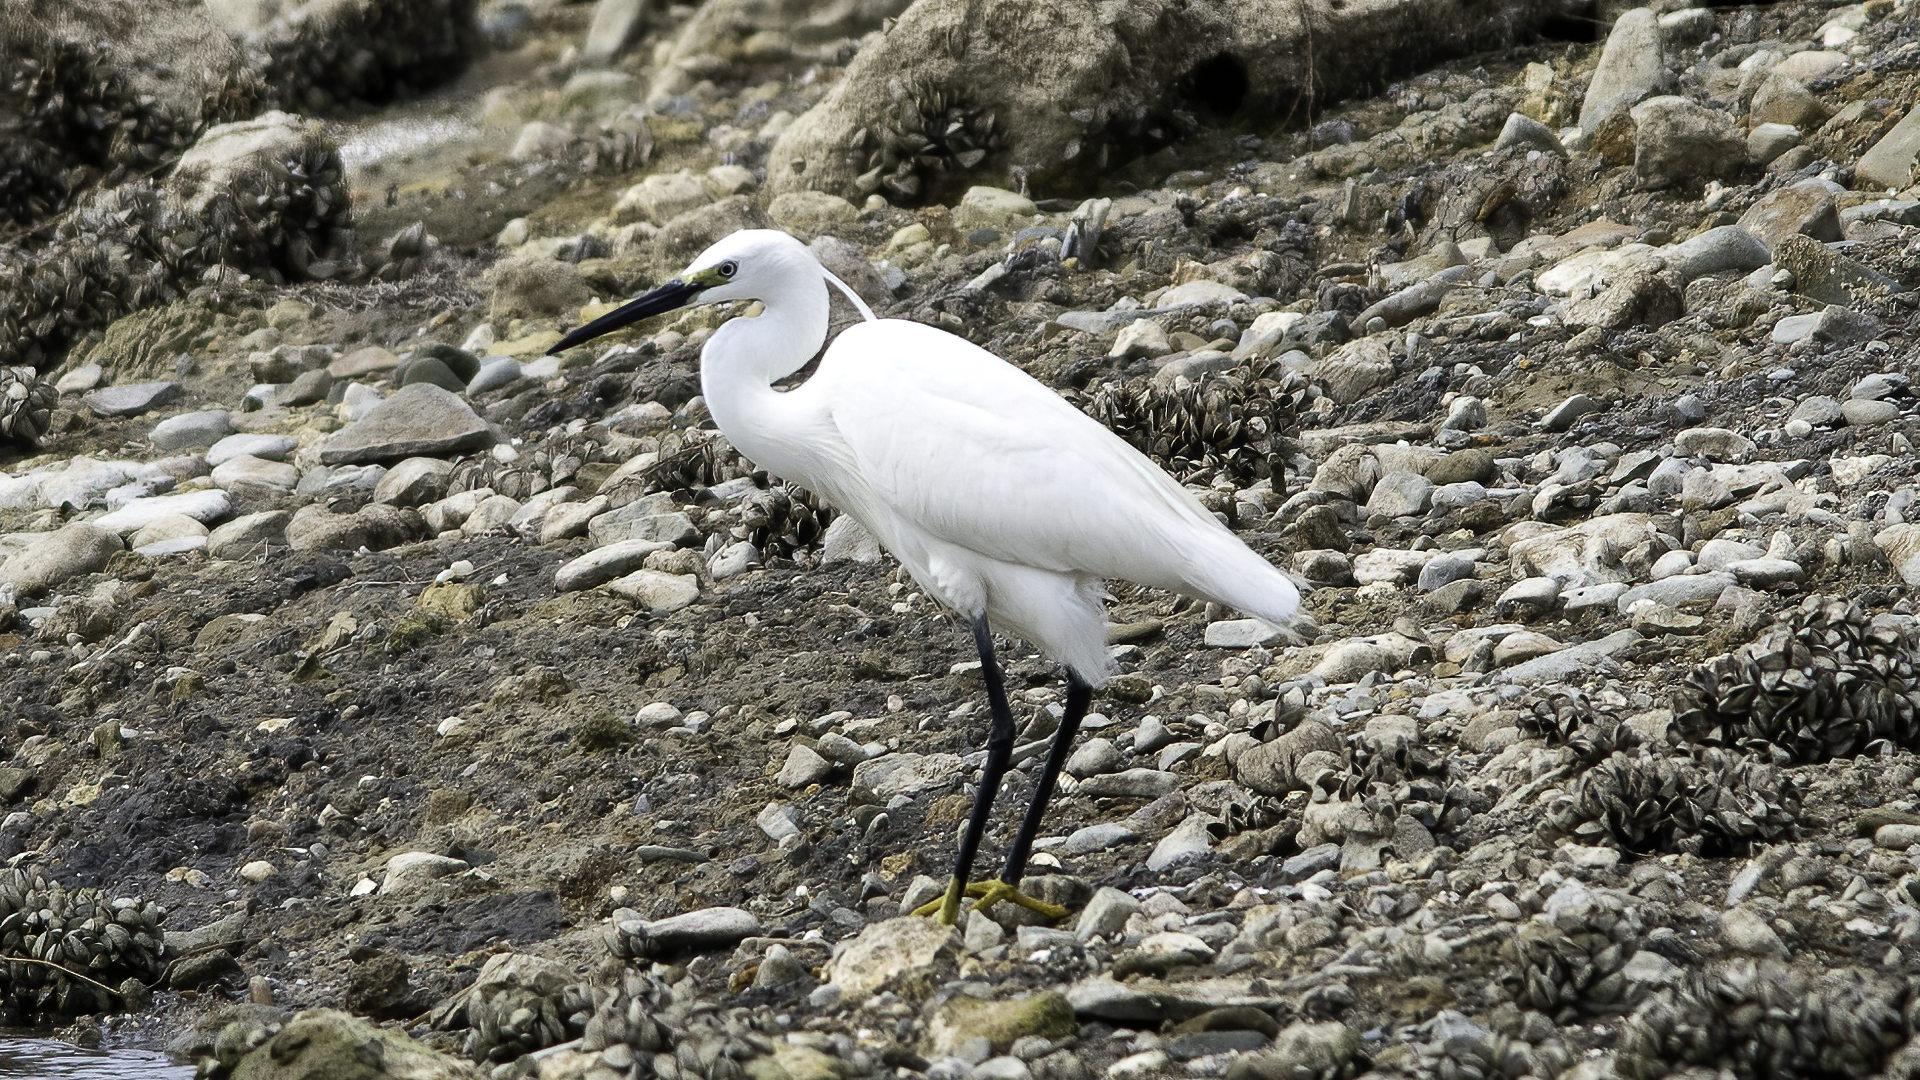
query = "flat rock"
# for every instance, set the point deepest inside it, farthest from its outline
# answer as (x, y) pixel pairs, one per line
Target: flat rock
(411, 871)
(186, 430)
(695, 931)
(79, 548)
(131, 399)
(205, 507)
(1889, 163)
(884, 950)
(265, 446)
(418, 420)
(656, 590)
(248, 534)
(880, 779)
(1558, 666)
(603, 564)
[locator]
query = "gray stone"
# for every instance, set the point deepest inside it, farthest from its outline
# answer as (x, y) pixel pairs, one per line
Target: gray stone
(657, 591)
(1443, 570)
(1528, 599)
(1632, 65)
(1723, 248)
(1243, 634)
(654, 518)
(415, 481)
(1093, 757)
(131, 399)
(1129, 784)
(1889, 162)
(1860, 413)
(885, 950)
(1747, 931)
(1524, 131)
(1091, 839)
(191, 429)
(1714, 443)
(494, 374)
(1558, 666)
(248, 534)
(1189, 840)
(418, 420)
(880, 779)
(308, 388)
(410, 872)
(1768, 141)
(1767, 573)
(1677, 592)
(205, 507)
(375, 527)
(1676, 141)
(50, 560)
(266, 447)
(1310, 862)
(247, 470)
(1563, 416)
(1400, 494)
(1106, 914)
(846, 540)
(804, 766)
(696, 931)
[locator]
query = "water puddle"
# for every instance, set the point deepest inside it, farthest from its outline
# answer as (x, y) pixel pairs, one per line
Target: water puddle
(51, 1059)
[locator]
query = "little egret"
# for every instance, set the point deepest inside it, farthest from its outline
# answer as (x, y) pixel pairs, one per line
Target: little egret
(1004, 502)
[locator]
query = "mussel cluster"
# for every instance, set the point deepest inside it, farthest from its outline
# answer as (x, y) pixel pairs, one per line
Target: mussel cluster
(1644, 802)
(69, 952)
(1764, 1019)
(281, 212)
(1827, 681)
(325, 55)
(1571, 956)
(781, 521)
(512, 1018)
(1592, 730)
(1234, 425)
(79, 108)
(26, 405)
(933, 132)
(626, 1030)
(1460, 1049)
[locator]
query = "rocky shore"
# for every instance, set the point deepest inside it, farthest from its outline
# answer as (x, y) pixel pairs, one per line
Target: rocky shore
(386, 698)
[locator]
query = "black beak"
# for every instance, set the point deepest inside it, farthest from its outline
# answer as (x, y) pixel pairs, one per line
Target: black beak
(655, 301)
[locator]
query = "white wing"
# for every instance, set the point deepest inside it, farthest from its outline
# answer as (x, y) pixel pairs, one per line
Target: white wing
(970, 449)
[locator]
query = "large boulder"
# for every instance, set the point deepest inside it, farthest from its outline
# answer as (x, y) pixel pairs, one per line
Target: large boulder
(980, 91)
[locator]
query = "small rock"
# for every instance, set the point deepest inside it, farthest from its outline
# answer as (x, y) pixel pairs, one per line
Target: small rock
(131, 399)
(411, 871)
(191, 429)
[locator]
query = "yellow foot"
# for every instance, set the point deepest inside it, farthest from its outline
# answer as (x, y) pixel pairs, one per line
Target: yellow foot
(985, 894)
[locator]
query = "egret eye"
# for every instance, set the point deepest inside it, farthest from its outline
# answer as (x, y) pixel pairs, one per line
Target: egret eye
(729, 268)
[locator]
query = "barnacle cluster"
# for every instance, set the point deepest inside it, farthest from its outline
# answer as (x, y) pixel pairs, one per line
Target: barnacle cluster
(1764, 1019)
(1827, 681)
(1233, 426)
(932, 132)
(26, 405)
(1643, 802)
(1571, 955)
(69, 952)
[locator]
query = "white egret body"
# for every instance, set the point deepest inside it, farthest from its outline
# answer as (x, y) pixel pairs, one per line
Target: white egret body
(1004, 502)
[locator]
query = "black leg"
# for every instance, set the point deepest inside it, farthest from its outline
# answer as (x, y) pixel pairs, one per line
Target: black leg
(999, 753)
(1079, 695)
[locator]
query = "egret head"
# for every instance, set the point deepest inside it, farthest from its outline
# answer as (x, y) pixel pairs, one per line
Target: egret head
(752, 264)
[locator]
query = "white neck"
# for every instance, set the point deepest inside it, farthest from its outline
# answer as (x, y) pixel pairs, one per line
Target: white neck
(747, 355)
